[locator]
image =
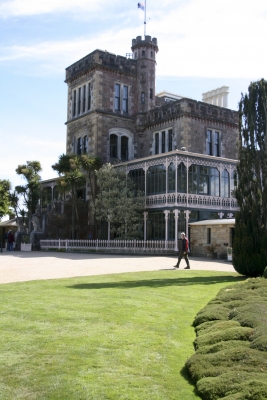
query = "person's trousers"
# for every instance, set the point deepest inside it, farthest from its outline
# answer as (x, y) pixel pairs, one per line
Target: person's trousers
(10, 246)
(185, 256)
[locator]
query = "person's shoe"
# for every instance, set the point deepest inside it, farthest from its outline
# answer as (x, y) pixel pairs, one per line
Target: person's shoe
(187, 267)
(176, 266)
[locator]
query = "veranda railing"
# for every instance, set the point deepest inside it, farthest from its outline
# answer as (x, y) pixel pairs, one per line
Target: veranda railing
(108, 245)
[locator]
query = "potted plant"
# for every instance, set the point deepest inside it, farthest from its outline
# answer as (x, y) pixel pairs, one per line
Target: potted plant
(25, 243)
(229, 254)
(211, 251)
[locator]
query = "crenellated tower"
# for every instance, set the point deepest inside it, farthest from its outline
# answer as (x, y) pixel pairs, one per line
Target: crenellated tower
(144, 51)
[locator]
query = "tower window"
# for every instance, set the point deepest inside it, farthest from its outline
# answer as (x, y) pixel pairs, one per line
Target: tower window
(117, 97)
(119, 147)
(124, 148)
(125, 99)
(79, 146)
(170, 140)
(151, 94)
(143, 53)
(156, 143)
(85, 144)
(163, 141)
(79, 100)
(113, 146)
(74, 104)
(84, 97)
(213, 143)
(143, 97)
(89, 97)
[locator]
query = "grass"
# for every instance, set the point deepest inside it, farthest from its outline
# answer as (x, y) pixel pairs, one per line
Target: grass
(113, 337)
(231, 348)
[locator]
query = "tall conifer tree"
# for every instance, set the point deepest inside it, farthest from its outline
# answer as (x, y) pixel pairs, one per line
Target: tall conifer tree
(250, 244)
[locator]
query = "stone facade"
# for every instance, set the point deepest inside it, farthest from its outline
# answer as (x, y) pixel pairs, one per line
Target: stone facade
(181, 151)
(140, 112)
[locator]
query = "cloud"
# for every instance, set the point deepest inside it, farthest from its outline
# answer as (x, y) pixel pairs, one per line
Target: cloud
(34, 7)
(196, 38)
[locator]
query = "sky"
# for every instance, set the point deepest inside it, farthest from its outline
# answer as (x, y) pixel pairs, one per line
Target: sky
(203, 45)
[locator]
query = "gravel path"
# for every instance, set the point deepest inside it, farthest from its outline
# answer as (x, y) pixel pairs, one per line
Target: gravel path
(35, 265)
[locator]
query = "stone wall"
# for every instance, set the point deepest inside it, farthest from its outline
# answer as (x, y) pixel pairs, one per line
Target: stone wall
(220, 236)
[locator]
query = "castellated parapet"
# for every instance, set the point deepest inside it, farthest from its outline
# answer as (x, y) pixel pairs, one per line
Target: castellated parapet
(100, 59)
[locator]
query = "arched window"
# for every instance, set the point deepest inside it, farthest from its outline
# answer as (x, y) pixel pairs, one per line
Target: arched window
(171, 178)
(113, 146)
(120, 144)
(85, 144)
(214, 182)
(225, 184)
(124, 148)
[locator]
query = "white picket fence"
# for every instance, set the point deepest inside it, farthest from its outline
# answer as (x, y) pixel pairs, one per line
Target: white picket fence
(134, 246)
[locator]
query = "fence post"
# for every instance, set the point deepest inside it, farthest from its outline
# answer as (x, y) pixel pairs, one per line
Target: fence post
(58, 244)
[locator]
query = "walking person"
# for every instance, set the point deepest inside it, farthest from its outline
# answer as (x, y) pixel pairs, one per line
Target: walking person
(183, 252)
(10, 241)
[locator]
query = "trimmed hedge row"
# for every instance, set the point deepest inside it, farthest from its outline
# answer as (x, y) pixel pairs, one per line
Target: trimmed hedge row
(230, 362)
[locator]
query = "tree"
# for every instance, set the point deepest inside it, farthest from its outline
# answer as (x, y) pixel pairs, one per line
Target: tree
(90, 164)
(250, 244)
(31, 192)
(71, 178)
(5, 187)
(118, 202)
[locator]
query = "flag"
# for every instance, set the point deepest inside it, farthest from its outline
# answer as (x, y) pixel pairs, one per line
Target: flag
(141, 5)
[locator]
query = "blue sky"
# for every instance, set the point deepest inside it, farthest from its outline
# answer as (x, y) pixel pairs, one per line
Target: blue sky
(203, 44)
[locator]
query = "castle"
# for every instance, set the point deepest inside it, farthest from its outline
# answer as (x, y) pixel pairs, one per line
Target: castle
(181, 152)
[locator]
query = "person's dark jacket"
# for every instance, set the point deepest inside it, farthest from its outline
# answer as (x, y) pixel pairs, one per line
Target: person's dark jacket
(10, 238)
(185, 245)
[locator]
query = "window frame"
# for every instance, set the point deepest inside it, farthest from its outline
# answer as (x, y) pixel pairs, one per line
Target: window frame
(213, 142)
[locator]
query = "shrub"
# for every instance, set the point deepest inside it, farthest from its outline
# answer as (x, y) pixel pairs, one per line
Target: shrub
(247, 385)
(236, 333)
(265, 273)
(231, 344)
(211, 313)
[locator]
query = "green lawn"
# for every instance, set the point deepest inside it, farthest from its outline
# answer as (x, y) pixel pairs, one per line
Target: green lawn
(118, 337)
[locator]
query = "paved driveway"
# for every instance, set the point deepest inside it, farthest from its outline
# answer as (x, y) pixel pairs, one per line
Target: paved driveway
(28, 266)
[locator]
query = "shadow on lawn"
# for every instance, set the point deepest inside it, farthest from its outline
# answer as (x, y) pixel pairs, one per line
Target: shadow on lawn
(208, 280)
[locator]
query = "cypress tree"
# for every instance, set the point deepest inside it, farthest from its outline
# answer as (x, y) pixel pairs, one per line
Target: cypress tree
(250, 244)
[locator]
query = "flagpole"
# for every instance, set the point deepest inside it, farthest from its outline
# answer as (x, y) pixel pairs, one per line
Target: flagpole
(145, 22)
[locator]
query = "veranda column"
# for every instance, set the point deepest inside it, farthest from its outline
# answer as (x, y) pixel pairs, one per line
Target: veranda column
(176, 216)
(166, 212)
(187, 213)
(145, 219)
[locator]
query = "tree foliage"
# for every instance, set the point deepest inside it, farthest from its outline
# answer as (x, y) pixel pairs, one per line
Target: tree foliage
(31, 191)
(118, 202)
(70, 180)
(250, 244)
(5, 187)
